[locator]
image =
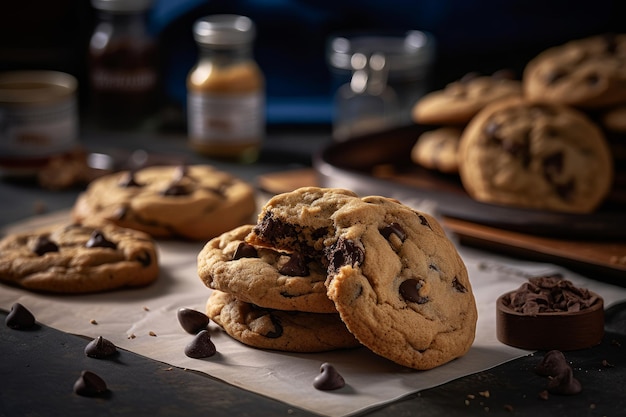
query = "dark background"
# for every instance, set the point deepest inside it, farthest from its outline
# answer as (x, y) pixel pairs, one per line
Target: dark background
(481, 36)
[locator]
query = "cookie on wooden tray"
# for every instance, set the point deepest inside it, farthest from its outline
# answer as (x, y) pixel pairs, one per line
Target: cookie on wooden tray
(397, 281)
(291, 331)
(263, 276)
(196, 202)
(438, 149)
(77, 258)
(539, 156)
(586, 73)
(460, 100)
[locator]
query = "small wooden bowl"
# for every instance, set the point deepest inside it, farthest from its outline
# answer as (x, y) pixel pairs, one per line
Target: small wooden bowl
(548, 331)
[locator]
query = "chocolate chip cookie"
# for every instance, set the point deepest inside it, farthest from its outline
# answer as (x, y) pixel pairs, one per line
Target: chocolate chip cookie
(290, 331)
(78, 258)
(460, 100)
(263, 276)
(438, 149)
(585, 73)
(395, 278)
(540, 156)
(196, 202)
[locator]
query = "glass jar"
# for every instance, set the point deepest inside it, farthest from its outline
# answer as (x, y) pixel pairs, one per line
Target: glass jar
(123, 64)
(226, 91)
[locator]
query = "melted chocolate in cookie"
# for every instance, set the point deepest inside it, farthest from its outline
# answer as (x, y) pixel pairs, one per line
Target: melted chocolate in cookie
(410, 291)
(245, 250)
(344, 252)
(175, 188)
(44, 245)
(458, 286)
(278, 328)
(98, 240)
(393, 228)
(145, 259)
(296, 266)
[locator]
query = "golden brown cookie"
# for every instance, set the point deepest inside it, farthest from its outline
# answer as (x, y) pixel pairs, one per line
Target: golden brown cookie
(75, 258)
(585, 73)
(396, 279)
(438, 149)
(291, 331)
(460, 100)
(196, 202)
(263, 276)
(547, 157)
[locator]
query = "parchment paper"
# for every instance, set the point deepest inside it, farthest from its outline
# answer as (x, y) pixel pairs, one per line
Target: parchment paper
(144, 321)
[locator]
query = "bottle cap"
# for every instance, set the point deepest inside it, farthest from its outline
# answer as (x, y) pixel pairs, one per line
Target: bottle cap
(224, 30)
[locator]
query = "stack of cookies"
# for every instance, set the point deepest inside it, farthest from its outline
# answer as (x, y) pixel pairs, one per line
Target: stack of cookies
(546, 146)
(325, 269)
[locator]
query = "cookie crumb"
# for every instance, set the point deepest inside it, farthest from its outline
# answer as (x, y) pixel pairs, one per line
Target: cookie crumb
(93, 321)
(471, 396)
(508, 407)
(484, 393)
(151, 333)
(169, 368)
(467, 402)
(145, 308)
(607, 364)
(544, 395)
(131, 336)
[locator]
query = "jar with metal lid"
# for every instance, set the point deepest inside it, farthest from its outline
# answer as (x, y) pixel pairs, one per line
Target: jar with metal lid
(123, 64)
(38, 120)
(226, 91)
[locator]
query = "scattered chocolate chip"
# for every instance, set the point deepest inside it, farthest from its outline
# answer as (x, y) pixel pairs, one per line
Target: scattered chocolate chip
(245, 250)
(393, 228)
(19, 318)
(561, 376)
(278, 328)
(296, 266)
(44, 245)
(344, 252)
(328, 379)
(128, 180)
(201, 346)
(90, 385)
(100, 348)
(97, 240)
(192, 321)
(458, 286)
(410, 291)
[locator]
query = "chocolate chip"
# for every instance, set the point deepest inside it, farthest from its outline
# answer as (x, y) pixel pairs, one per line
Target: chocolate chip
(144, 258)
(519, 150)
(344, 252)
(592, 79)
(552, 364)
(201, 346)
(393, 228)
(566, 190)
(273, 229)
(410, 291)
(296, 266)
(560, 373)
(97, 240)
(128, 180)
(458, 286)
(175, 189)
(100, 348)
(552, 166)
(192, 321)
(245, 250)
(19, 318)
(90, 385)
(424, 221)
(328, 379)
(278, 328)
(44, 245)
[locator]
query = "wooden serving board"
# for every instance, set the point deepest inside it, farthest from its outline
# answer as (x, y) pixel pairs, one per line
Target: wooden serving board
(598, 259)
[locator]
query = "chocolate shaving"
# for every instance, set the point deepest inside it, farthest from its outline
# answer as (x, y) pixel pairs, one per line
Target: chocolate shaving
(548, 294)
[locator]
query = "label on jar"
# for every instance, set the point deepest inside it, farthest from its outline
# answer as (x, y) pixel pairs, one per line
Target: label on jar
(225, 118)
(38, 130)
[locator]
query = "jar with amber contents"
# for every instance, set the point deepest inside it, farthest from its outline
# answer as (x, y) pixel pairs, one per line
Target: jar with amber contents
(226, 91)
